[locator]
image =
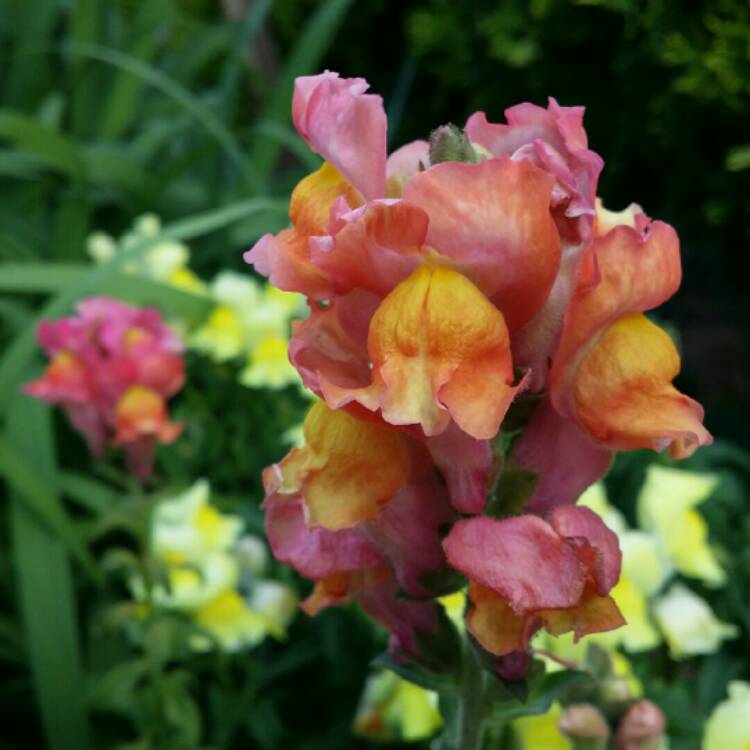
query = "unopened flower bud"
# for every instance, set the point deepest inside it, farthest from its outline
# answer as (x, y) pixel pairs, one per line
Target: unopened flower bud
(449, 143)
(641, 728)
(585, 725)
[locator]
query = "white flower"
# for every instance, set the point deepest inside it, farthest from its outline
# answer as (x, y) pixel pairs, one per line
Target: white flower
(688, 623)
(188, 528)
(728, 727)
(666, 507)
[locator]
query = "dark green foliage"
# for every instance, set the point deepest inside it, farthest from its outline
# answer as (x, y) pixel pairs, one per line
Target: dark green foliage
(110, 109)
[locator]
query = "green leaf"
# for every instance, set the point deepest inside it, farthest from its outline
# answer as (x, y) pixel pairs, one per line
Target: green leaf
(440, 682)
(88, 493)
(175, 91)
(39, 277)
(513, 489)
(44, 581)
(543, 693)
(116, 690)
(43, 142)
(21, 475)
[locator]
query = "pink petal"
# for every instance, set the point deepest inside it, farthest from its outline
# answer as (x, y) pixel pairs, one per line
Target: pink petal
(465, 464)
(623, 272)
(520, 558)
(406, 620)
(331, 345)
(374, 247)
(315, 553)
(586, 529)
(554, 139)
(284, 259)
(406, 161)
(565, 458)
(500, 233)
(407, 533)
(345, 126)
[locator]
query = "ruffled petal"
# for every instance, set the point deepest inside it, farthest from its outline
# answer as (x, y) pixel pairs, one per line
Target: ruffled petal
(408, 160)
(316, 553)
(492, 220)
(284, 259)
(347, 471)
(407, 533)
(613, 368)
(331, 345)
(375, 248)
(593, 541)
(346, 126)
(494, 623)
(623, 272)
(554, 139)
(624, 394)
(520, 558)
(439, 350)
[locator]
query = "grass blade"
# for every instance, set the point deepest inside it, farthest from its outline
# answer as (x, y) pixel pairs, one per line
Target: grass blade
(21, 474)
(305, 58)
(88, 493)
(43, 142)
(45, 591)
(38, 278)
(179, 94)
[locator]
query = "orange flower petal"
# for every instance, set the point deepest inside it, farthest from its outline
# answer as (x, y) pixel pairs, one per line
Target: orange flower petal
(624, 395)
(439, 350)
(622, 272)
(595, 614)
(495, 625)
(374, 248)
(347, 471)
(493, 221)
(284, 260)
(142, 412)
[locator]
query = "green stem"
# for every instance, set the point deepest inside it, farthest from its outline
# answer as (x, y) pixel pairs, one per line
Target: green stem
(465, 712)
(472, 708)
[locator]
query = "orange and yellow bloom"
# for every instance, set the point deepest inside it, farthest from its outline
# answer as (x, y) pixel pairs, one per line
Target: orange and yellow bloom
(442, 293)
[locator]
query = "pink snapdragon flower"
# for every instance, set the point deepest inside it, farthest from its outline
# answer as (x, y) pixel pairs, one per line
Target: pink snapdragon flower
(112, 369)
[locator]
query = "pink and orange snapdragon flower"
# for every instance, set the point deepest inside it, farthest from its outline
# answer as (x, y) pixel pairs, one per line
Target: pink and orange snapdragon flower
(444, 290)
(112, 369)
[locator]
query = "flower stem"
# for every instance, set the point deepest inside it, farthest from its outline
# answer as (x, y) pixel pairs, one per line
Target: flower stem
(473, 704)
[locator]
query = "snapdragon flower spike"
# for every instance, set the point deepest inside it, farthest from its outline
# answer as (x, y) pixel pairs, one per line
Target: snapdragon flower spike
(526, 573)
(441, 291)
(112, 368)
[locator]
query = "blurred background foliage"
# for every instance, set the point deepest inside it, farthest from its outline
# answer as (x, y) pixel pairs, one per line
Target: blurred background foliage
(181, 107)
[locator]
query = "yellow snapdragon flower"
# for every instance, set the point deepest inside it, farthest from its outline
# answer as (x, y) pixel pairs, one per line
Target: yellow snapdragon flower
(728, 727)
(667, 507)
(394, 709)
(541, 732)
(644, 569)
(163, 261)
(251, 321)
(689, 624)
(214, 574)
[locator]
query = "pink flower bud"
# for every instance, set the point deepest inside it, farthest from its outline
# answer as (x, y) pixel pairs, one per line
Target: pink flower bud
(641, 727)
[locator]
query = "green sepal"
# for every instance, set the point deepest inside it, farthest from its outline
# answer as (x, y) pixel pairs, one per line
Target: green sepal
(511, 492)
(450, 143)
